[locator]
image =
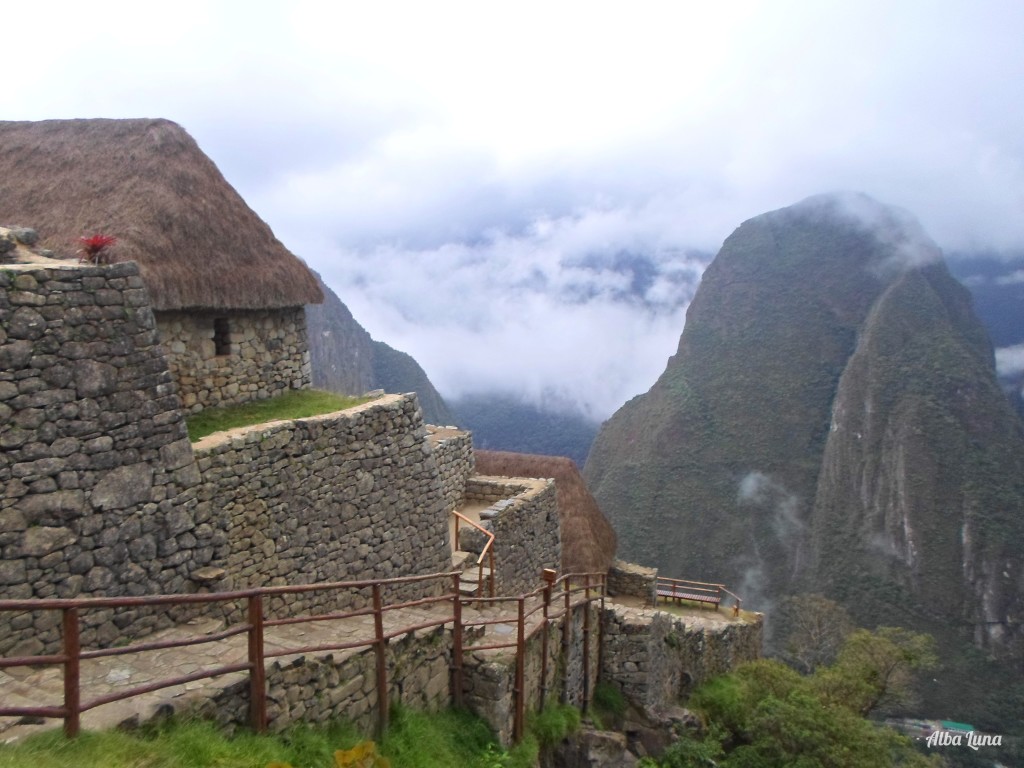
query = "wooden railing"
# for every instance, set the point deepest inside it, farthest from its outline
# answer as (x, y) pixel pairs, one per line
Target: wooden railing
(486, 552)
(695, 591)
(254, 627)
(557, 601)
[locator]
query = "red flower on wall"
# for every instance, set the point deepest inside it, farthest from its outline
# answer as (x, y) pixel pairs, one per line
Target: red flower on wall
(94, 247)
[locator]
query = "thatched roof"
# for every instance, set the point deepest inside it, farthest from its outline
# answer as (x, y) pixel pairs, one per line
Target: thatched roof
(146, 182)
(588, 540)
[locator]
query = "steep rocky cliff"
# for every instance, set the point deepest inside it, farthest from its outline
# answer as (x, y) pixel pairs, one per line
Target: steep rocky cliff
(830, 421)
(345, 359)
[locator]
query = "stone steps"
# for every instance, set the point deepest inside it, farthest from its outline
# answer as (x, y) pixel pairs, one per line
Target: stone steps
(470, 583)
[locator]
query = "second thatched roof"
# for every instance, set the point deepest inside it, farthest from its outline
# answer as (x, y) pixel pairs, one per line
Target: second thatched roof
(588, 539)
(146, 182)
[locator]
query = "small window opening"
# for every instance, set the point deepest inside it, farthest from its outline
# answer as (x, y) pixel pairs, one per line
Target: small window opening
(221, 336)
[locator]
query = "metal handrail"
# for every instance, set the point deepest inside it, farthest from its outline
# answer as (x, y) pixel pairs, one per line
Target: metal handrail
(488, 550)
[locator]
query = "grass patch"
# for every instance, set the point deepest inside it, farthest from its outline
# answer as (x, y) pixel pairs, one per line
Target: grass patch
(194, 744)
(295, 404)
(553, 724)
(609, 701)
(414, 740)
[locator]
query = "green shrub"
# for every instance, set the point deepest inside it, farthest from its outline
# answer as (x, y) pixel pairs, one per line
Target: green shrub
(553, 724)
(608, 707)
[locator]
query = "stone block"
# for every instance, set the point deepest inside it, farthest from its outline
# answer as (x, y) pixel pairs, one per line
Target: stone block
(94, 378)
(53, 508)
(123, 487)
(39, 541)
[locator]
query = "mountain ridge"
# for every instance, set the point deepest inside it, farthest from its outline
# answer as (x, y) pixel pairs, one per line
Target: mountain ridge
(741, 463)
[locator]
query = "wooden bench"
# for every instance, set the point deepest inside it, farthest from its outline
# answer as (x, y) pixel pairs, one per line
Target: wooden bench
(695, 591)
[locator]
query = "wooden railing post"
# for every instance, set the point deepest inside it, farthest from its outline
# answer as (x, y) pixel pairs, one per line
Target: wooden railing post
(494, 575)
(566, 632)
(380, 645)
(487, 550)
(549, 580)
(257, 671)
(586, 643)
(72, 683)
(519, 719)
(600, 627)
(456, 680)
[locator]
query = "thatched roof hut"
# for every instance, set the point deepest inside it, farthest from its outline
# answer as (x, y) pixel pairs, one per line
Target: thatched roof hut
(588, 539)
(146, 182)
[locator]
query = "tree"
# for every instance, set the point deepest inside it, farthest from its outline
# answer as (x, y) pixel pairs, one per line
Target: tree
(765, 715)
(813, 630)
(876, 669)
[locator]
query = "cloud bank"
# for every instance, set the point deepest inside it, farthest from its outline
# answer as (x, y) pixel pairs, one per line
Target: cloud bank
(480, 182)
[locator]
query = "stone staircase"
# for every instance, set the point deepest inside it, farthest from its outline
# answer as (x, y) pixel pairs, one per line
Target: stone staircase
(470, 583)
(473, 540)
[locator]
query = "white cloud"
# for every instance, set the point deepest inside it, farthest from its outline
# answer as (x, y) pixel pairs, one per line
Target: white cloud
(1014, 278)
(586, 308)
(1010, 360)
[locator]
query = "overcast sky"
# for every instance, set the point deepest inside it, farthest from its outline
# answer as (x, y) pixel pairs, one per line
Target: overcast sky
(467, 175)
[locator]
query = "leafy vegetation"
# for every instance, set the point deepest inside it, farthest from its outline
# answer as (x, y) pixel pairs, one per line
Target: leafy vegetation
(875, 670)
(767, 715)
(609, 706)
(296, 404)
(362, 755)
(812, 630)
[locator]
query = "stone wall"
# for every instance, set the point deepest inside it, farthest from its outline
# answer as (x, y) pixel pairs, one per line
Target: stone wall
(342, 685)
(229, 357)
(104, 496)
(97, 472)
(351, 495)
(524, 520)
(453, 452)
(489, 676)
(633, 580)
(656, 657)
(347, 496)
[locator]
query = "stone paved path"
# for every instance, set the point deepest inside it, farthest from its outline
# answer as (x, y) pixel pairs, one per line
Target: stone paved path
(99, 677)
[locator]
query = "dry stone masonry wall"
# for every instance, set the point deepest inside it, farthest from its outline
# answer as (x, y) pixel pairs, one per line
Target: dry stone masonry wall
(453, 452)
(351, 495)
(224, 358)
(523, 517)
(489, 677)
(633, 580)
(92, 447)
(316, 689)
(103, 496)
(656, 657)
